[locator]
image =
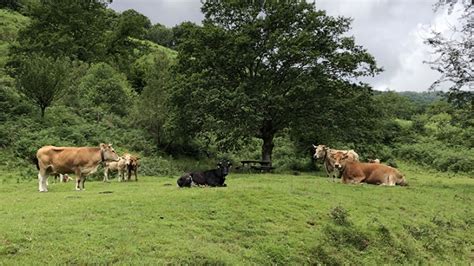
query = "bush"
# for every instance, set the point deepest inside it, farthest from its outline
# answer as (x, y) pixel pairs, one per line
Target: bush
(158, 166)
(439, 156)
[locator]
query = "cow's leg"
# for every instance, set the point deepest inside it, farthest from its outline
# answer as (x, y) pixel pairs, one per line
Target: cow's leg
(42, 178)
(106, 175)
(129, 174)
(391, 180)
(135, 172)
(357, 179)
(83, 180)
(78, 180)
(327, 168)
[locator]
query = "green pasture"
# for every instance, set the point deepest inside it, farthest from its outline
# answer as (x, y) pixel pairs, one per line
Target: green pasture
(257, 219)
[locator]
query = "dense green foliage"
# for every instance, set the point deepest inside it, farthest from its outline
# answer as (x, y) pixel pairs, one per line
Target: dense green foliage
(235, 88)
(44, 79)
(266, 67)
(257, 219)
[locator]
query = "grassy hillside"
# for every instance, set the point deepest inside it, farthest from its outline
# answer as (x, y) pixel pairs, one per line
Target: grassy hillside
(257, 219)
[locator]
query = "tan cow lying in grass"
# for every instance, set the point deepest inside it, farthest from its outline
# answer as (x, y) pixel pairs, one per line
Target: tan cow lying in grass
(120, 166)
(371, 173)
(71, 160)
(323, 152)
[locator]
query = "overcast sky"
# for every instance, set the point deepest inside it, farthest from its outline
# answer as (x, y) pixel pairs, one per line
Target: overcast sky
(392, 30)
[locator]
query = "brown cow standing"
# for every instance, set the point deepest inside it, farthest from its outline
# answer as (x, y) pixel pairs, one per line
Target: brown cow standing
(371, 173)
(72, 160)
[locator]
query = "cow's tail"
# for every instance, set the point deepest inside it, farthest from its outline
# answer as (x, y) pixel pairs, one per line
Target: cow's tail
(36, 162)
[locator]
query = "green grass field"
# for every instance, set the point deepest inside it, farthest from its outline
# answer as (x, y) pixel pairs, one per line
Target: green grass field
(257, 219)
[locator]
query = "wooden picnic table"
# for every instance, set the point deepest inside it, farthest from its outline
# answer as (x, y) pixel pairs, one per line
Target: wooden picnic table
(257, 165)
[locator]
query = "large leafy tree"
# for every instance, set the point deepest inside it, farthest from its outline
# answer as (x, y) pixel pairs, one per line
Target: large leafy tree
(105, 90)
(255, 69)
(43, 79)
(74, 29)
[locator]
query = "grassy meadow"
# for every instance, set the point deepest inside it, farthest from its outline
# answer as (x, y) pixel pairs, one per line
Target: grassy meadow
(257, 219)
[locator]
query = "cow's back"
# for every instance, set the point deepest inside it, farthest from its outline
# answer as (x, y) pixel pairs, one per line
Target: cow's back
(65, 159)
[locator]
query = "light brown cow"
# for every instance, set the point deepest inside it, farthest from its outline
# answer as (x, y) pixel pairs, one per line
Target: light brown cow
(67, 160)
(132, 163)
(120, 166)
(323, 152)
(371, 173)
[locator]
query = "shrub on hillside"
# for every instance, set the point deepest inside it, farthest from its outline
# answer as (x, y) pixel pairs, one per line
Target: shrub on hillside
(439, 156)
(154, 166)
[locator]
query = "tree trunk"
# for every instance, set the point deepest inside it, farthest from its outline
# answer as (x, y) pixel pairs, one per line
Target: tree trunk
(43, 109)
(267, 148)
(267, 134)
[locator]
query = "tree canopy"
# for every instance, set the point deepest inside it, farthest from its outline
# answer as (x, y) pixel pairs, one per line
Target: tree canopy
(44, 79)
(255, 69)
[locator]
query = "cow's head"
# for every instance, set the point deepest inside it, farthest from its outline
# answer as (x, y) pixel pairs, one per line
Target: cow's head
(134, 161)
(224, 167)
(108, 153)
(339, 159)
(320, 151)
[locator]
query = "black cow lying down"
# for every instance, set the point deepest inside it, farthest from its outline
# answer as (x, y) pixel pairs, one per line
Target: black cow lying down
(213, 178)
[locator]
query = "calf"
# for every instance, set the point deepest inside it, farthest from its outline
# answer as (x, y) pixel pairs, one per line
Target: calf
(132, 164)
(371, 173)
(120, 166)
(213, 178)
(62, 178)
(323, 152)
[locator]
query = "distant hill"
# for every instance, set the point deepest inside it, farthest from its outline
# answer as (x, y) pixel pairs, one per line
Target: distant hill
(421, 98)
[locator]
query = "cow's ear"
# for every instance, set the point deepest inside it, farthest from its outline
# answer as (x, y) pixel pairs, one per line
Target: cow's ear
(102, 145)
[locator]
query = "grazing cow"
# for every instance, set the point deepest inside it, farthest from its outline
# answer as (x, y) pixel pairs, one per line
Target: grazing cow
(120, 166)
(67, 160)
(371, 173)
(323, 152)
(213, 178)
(132, 164)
